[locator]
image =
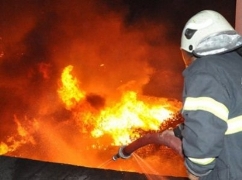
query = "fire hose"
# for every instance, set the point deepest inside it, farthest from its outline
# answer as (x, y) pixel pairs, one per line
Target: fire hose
(170, 138)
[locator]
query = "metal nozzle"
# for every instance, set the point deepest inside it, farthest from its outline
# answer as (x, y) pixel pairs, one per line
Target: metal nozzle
(121, 154)
(115, 157)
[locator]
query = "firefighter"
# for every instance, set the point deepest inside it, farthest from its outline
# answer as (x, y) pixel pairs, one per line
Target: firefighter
(212, 98)
(210, 139)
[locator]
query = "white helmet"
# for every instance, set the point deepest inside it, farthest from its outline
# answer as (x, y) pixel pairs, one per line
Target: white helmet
(208, 32)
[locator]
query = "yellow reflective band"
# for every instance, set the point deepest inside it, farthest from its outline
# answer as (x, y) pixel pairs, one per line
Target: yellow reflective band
(204, 161)
(234, 125)
(207, 104)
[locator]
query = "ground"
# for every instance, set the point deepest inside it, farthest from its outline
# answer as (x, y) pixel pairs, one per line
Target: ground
(25, 169)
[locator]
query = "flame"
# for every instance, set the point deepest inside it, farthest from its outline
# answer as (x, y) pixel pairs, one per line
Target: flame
(91, 125)
(121, 120)
(23, 136)
(3, 148)
(69, 91)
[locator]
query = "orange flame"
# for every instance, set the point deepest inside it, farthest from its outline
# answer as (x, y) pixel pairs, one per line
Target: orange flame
(69, 92)
(3, 148)
(22, 137)
(90, 125)
(121, 121)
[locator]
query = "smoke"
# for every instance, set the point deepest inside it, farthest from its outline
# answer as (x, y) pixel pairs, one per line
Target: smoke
(109, 51)
(39, 39)
(113, 46)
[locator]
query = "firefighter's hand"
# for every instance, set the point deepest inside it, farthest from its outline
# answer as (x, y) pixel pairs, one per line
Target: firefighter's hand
(191, 176)
(169, 139)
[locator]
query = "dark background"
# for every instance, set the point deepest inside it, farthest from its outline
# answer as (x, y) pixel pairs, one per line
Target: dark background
(41, 32)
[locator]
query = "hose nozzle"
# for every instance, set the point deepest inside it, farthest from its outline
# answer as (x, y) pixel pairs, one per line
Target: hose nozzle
(115, 157)
(121, 154)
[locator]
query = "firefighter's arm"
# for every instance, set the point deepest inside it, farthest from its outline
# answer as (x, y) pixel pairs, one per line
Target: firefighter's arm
(192, 176)
(205, 113)
(178, 133)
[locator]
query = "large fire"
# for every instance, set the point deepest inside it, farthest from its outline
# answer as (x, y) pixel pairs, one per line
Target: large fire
(120, 120)
(92, 125)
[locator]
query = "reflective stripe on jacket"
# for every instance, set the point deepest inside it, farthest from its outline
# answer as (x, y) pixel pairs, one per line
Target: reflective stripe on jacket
(212, 111)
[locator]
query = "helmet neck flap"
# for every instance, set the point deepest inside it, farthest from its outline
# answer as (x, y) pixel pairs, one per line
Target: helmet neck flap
(218, 43)
(207, 33)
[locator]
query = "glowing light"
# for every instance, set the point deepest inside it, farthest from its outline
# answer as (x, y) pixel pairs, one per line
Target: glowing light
(3, 148)
(121, 120)
(23, 136)
(87, 127)
(69, 91)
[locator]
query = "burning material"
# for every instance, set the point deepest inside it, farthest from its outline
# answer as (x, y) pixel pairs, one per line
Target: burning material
(23, 136)
(92, 124)
(121, 120)
(69, 92)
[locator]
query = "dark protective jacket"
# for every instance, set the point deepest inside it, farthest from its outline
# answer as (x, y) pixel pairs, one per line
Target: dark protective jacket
(212, 111)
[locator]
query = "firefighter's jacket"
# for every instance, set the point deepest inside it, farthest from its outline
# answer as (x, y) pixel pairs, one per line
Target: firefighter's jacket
(212, 111)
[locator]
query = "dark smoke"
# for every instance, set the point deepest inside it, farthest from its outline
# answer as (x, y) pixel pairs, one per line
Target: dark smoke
(95, 101)
(110, 44)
